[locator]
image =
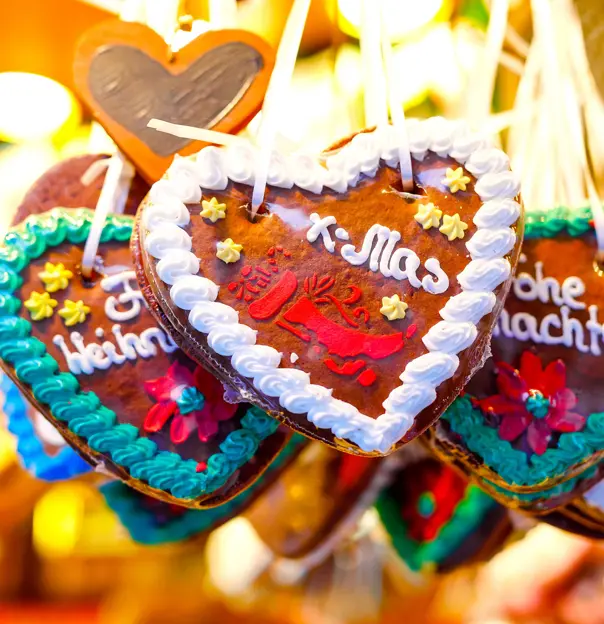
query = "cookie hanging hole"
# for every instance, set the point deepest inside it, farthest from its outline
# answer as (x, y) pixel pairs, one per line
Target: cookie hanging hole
(254, 215)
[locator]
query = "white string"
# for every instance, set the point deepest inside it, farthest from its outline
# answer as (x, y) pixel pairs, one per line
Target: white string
(196, 134)
(105, 205)
(162, 17)
(374, 80)
(397, 112)
(274, 100)
(481, 93)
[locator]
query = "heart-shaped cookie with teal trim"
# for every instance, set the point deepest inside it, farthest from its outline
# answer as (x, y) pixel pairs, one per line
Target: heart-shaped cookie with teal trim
(91, 358)
(347, 309)
(150, 521)
(437, 520)
(533, 417)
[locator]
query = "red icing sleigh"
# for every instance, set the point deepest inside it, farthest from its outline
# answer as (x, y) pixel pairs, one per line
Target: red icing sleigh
(304, 317)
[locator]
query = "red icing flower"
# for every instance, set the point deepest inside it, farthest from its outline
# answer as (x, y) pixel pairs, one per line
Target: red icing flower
(430, 494)
(533, 400)
(194, 400)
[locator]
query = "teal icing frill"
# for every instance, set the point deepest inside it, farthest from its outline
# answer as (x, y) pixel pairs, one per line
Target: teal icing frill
(574, 222)
(543, 496)
(512, 465)
(145, 527)
(82, 411)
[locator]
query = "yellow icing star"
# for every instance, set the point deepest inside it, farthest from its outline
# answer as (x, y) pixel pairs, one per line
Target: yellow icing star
(428, 215)
(453, 227)
(40, 306)
(55, 276)
(455, 179)
(212, 210)
(228, 251)
(393, 308)
(74, 312)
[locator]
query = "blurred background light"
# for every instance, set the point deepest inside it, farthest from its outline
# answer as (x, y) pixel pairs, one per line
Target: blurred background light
(404, 16)
(34, 108)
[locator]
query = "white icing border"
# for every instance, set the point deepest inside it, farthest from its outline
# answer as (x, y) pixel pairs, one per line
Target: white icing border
(166, 215)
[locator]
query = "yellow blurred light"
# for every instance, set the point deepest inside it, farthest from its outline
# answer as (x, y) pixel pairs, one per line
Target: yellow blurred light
(7, 449)
(58, 519)
(34, 108)
(403, 16)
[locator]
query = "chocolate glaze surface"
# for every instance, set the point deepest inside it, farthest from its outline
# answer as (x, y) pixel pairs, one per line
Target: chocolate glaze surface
(281, 231)
(61, 187)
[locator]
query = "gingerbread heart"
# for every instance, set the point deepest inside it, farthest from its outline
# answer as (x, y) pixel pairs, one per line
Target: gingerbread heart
(126, 75)
(437, 520)
(532, 417)
(42, 450)
(343, 286)
(89, 356)
(62, 186)
(318, 502)
(150, 521)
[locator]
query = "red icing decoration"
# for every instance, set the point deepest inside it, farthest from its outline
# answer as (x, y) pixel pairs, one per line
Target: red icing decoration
(215, 409)
(201, 466)
(448, 489)
(268, 305)
(340, 340)
(533, 382)
(367, 377)
(295, 331)
(349, 368)
(351, 469)
(411, 330)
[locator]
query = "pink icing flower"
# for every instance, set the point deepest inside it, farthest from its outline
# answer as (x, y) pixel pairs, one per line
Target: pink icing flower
(533, 400)
(194, 400)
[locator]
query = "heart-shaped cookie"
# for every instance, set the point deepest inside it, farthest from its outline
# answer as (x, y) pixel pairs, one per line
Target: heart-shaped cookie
(42, 450)
(318, 502)
(343, 286)
(150, 521)
(62, 186)
(126, 75)
(437, 520)
(532, 418)
(91, 358)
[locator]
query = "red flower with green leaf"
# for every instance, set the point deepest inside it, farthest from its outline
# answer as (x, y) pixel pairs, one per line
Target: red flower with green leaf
(533, 401)
(193, 399)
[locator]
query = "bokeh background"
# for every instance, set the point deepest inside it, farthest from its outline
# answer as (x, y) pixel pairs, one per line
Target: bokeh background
(64, 557)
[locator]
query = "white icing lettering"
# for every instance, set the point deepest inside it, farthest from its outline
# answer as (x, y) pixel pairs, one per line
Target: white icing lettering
(378, 248)
(90, 357)
(131, 296)
(320, 227)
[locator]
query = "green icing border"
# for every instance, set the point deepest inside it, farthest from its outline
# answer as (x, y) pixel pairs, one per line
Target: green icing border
(82, 411)
(467, 517)
(512, 465)
(141, 525)
(571, 221)
(560, 489)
